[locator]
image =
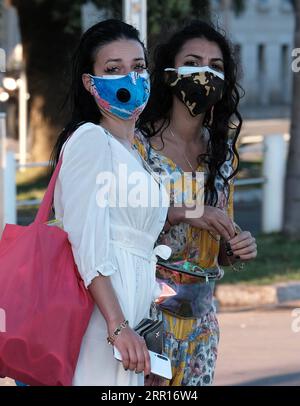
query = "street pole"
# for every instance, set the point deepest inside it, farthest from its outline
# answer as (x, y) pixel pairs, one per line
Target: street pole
(2, 168)
(273, 190)
(22, 82)
(135, 13)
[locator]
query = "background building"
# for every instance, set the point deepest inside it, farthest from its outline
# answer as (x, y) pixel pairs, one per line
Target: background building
(263, 38)
(10, 43)
(10, 35)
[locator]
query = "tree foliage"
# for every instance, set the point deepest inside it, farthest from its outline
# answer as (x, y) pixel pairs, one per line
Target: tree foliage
(166, 15)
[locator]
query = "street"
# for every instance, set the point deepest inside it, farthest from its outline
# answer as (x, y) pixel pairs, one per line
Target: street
(257, 348)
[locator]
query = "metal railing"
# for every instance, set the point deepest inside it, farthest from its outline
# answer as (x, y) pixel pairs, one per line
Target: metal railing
(250, 182)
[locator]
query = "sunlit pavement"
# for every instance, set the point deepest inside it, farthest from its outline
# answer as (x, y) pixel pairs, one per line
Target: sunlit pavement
(259, 348)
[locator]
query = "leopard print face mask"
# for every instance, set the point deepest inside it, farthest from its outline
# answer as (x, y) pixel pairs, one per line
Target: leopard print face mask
(199, 91)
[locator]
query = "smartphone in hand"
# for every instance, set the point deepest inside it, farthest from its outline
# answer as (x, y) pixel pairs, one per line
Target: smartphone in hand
(160, 364)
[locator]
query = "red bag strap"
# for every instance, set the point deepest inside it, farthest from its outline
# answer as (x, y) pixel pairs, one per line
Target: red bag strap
(45, 207)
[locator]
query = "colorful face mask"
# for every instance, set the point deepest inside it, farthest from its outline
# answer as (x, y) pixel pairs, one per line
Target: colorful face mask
(124, 96)
(199, 88)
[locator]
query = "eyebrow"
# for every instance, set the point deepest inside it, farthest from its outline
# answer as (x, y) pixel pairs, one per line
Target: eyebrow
(200, 57)
(120, 60)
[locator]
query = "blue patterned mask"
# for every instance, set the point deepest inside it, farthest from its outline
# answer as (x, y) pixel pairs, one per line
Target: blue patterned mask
(124, 96)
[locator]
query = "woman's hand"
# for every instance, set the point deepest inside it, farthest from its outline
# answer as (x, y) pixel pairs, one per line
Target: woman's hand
(213, 219)
(243, 246)
(133, 350)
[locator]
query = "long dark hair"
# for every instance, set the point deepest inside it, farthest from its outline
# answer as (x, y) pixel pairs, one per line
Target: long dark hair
(82, 105)
(226, 121)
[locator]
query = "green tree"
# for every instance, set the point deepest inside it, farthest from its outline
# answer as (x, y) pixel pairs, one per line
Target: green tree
(292, 195)
(50, 30)
(171, 14)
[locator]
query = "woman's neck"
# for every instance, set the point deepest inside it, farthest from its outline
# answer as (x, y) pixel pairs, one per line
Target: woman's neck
(183, 124)
(123, 129)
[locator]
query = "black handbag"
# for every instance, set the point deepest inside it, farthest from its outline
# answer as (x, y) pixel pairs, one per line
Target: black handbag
(152, 332)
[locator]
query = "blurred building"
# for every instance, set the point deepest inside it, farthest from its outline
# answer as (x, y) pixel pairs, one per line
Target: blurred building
(263, 38)
(10, 38)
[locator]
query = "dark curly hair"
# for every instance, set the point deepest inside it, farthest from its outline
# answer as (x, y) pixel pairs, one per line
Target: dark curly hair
(80, 102)
(226, 122)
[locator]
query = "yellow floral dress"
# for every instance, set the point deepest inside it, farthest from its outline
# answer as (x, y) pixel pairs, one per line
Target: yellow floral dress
(191, 326)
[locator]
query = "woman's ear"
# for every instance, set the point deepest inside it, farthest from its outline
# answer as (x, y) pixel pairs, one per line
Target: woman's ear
(86, 80)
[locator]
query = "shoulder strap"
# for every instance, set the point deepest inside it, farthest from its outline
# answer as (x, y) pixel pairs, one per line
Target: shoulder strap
(45, 207)
(46, 204)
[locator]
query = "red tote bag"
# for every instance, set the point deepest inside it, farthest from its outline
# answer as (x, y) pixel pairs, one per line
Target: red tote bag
(43, 298)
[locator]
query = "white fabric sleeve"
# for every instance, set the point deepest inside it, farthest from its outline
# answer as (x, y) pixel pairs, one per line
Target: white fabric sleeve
(86, 155)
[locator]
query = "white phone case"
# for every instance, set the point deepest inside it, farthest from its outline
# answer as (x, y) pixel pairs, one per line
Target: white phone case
(160, 364)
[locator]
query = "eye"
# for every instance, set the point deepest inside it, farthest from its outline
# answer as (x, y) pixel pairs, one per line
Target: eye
(191, 63)
(112, 69)
(217, 67)
(140, 68)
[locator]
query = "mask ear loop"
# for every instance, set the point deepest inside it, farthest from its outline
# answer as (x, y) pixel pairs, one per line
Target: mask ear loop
(91, 85)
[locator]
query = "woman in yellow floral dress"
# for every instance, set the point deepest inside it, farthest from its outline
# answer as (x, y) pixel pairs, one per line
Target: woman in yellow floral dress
(192, 124)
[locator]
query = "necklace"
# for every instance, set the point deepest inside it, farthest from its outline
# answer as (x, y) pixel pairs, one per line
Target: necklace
(184, 154)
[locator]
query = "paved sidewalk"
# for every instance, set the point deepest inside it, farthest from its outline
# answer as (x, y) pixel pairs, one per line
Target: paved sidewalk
(259, 348)
(247, 295)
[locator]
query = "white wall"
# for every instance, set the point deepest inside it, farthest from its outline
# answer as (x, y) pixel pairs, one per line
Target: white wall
(269, 24)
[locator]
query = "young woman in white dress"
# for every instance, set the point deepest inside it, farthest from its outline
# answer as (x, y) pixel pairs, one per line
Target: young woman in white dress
(109, 202)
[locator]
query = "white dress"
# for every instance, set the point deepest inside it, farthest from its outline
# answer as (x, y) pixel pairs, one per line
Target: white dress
(114, 241)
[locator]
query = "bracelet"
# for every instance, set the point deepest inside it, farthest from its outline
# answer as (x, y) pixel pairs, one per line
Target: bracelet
(111, 339)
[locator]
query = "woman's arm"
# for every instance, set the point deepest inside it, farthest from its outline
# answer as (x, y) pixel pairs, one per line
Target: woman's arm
(213, 219)
(105, 298)
(131, 346)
